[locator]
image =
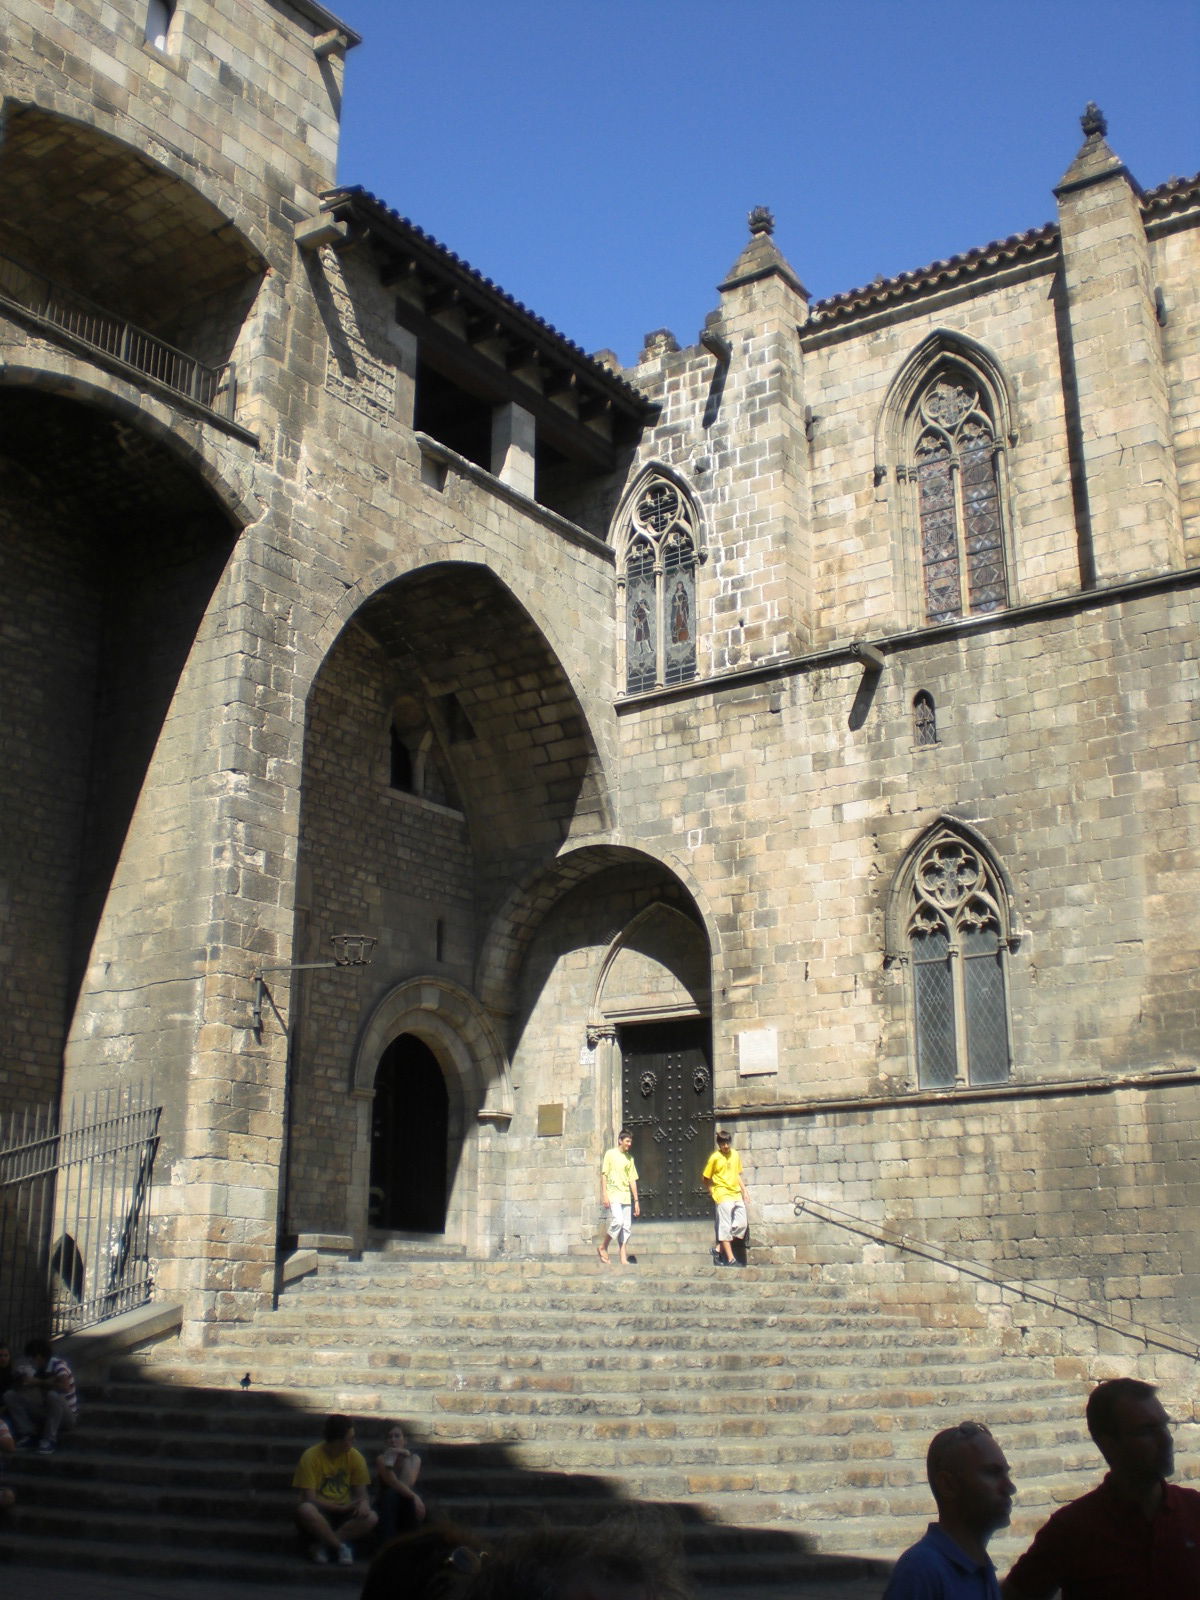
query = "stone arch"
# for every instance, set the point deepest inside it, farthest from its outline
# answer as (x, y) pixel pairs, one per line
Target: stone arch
(648, 472)
(454, 1026)
(516, 921)
(895, 911)
(672, 979)
(422, 877)
(109, 641)
(943, 344)
(74, 379)
(91, 125)
(392, 574)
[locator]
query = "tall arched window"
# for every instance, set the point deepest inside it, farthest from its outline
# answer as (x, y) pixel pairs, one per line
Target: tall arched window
(955, 464)
(657, 552)
(956, 937)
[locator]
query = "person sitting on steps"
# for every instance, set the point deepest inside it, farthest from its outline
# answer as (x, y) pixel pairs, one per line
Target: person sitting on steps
(333, 1479)
(397, 1468)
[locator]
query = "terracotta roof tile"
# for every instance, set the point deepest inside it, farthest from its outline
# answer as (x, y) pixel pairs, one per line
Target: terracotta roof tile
(1026, 246)
(361, 200)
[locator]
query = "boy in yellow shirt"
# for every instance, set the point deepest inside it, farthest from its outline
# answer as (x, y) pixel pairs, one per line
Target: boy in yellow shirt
(619, 1194)
(722, 1177)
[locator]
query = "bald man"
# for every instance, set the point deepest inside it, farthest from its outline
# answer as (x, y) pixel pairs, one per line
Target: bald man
(974, 1492)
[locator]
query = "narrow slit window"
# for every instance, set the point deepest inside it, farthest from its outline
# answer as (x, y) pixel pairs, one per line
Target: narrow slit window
(924, 719)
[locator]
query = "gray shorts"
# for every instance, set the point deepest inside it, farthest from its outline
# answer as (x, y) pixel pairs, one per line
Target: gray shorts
(731, 1219)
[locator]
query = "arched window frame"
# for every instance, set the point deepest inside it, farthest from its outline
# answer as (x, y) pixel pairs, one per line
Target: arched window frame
(659, 551)
(924, 713)
(921, 404)
(951, 929)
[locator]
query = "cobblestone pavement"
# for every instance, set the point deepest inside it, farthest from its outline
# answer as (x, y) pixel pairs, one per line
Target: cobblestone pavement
(41, 1583)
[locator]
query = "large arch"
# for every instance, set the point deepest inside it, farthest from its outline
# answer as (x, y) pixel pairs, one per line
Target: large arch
(102, 619)
(443, 660)
(108, 225)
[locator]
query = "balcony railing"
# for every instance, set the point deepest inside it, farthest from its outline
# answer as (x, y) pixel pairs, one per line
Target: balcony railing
(214, 388)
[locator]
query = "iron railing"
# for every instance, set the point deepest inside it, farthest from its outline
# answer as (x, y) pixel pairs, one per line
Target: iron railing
(214, 388)
(75, 1213)
(1145, 1333)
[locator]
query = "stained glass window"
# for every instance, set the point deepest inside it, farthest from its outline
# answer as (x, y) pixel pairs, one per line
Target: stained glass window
(659, 577)
(956, 468)
(957, 947)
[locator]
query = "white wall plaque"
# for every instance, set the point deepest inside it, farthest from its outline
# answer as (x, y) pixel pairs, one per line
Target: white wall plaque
(758, 1052)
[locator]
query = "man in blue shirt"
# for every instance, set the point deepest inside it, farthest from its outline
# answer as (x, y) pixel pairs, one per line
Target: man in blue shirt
(974, 1493)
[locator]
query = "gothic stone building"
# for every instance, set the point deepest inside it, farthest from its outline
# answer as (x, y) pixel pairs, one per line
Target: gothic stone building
(798, 728)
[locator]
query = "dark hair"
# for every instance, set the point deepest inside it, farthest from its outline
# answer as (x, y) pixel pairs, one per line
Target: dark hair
(336, 1428)
(624, 1134)
(38, 1347)
(432, 1564)
(723, 1137)
(1105, 1399)
(545, 1563)
(943, 1446)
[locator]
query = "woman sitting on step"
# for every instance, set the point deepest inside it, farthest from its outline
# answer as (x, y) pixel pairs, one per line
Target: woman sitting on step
(397, 1468)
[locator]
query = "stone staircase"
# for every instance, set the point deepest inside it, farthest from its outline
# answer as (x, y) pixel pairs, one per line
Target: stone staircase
(780, 1419)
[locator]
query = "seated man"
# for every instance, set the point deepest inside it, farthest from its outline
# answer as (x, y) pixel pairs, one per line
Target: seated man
(332, 1479)
(42, 1402)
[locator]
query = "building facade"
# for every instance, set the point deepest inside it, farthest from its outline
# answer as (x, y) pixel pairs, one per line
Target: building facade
(797, 729)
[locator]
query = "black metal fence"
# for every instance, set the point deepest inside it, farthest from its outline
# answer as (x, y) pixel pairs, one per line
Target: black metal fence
(212, 387)
(75, 1213)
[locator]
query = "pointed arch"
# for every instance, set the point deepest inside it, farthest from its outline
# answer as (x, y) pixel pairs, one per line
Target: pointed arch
(682, 984)
(659, 545)
(950, 924)
(944, 433)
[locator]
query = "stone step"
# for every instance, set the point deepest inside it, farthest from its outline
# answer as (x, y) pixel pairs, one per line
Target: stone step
(790, 1565)
(715, 1415)
(562, 1387)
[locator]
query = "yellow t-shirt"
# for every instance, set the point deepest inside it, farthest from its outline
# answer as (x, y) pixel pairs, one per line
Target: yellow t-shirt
(724, 1173)
(334, 1478)
(619, 1174)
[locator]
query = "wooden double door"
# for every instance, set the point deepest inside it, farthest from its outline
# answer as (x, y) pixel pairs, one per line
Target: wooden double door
(667, 1104)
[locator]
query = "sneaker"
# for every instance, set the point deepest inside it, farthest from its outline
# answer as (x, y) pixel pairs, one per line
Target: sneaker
(345, 1556)
(46, 1447)
(26, 1442)
(319, 1553)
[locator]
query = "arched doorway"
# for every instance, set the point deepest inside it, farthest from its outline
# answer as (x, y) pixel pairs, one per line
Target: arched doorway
(410, 1119)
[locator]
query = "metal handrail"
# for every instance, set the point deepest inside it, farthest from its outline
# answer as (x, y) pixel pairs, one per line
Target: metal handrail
(213, 388)
(1145, 1333)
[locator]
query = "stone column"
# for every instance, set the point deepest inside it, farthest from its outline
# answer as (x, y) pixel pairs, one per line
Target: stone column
(514, 441)
(1124, 423)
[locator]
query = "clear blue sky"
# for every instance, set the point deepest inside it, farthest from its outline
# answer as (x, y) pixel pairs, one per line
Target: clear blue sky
(597, 158)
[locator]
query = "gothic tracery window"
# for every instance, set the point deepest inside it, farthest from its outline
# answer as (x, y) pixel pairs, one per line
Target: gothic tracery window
(958, 940)
(659, 578)
(955, 464)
